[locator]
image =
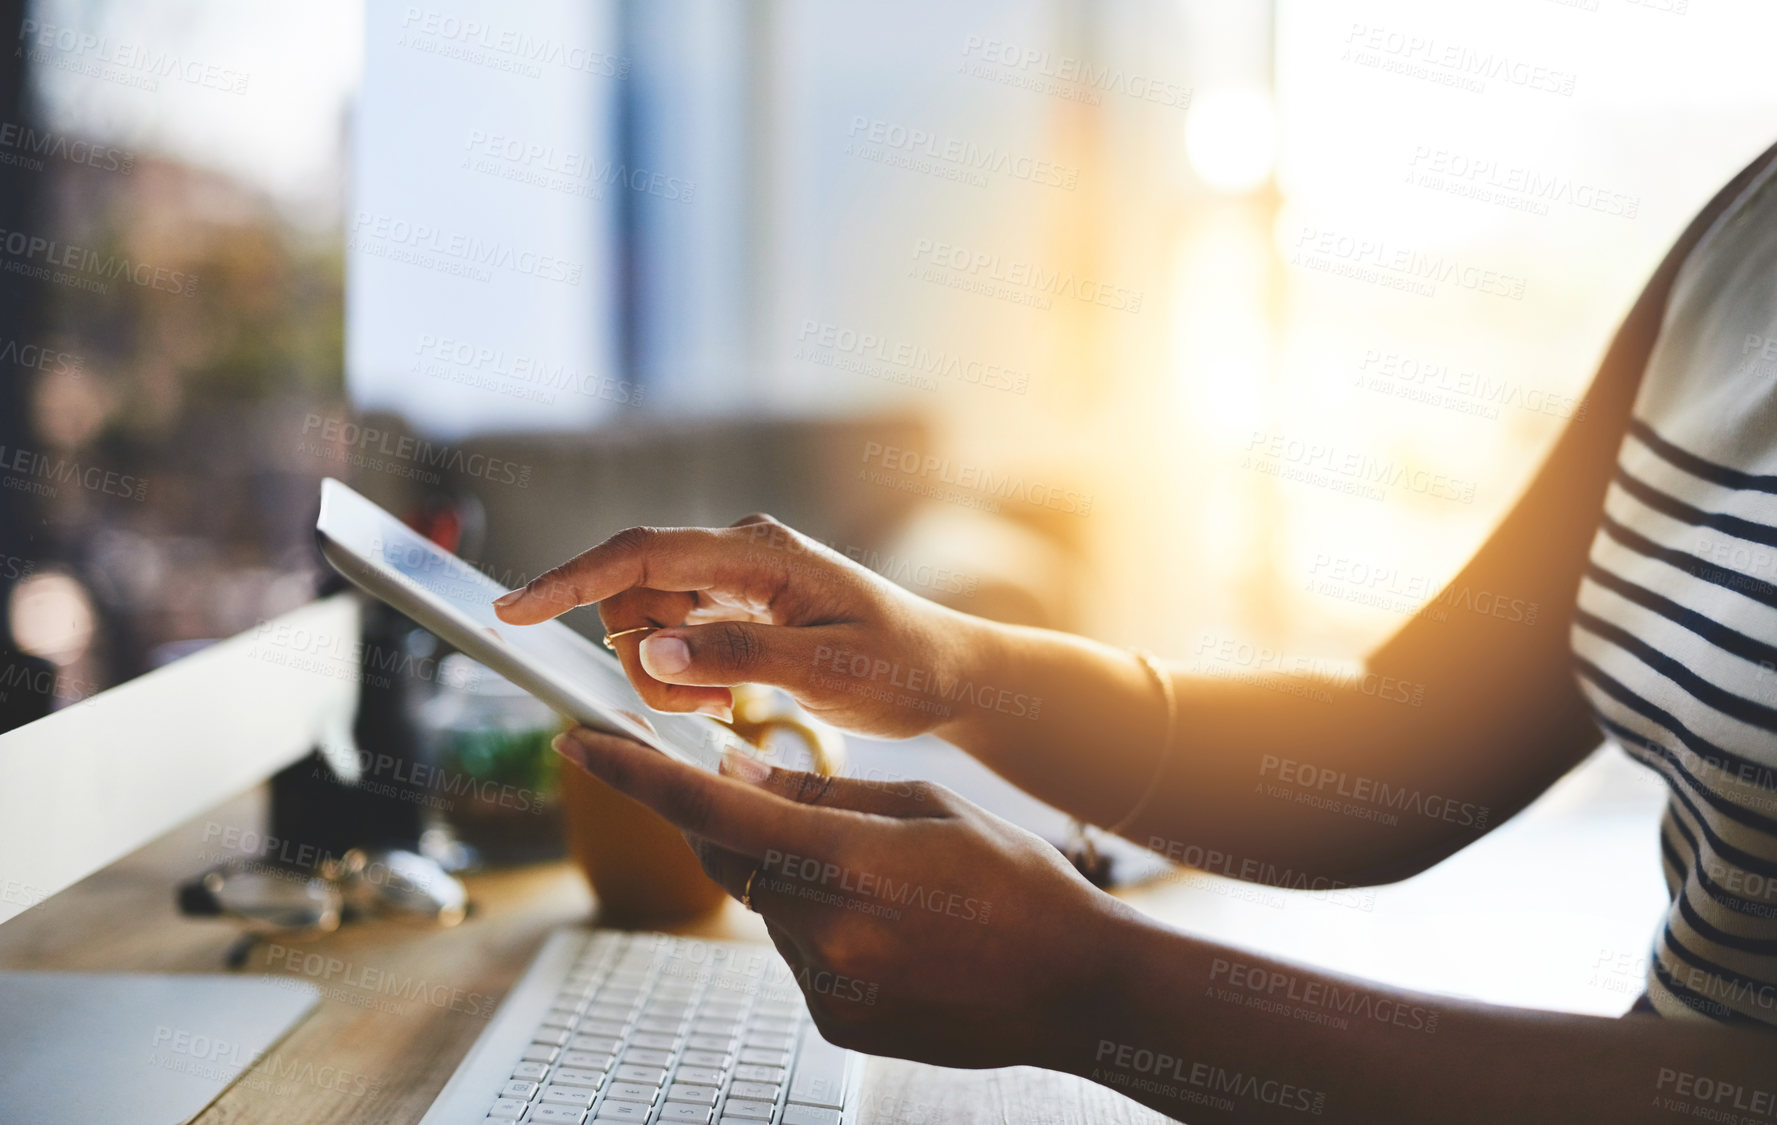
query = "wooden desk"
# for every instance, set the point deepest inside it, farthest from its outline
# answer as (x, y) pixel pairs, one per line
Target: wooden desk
(370, 1055)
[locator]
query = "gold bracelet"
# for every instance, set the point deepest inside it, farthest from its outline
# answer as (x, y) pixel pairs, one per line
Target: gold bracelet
(1086, 857)
(1152, 668)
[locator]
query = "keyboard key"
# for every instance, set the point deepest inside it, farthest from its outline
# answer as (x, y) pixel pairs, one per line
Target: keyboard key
(736, 980)
(532, 1070)
(507, 1109)
(540, 1052)
(717, 1059)
(656, 1026)
(807, 1115)
(754, 1091)
(774, 1019)
(567, 1115)
(725, 1028)
(588, 1060)
(605, 1010)
(640, 1093)
(756, 1057)
(570, 1076)
(767, 1041)
(567, 1095)
(554, 1036)
(709, 1042)
(654, 1042)
(602, 1027)
(746, 1109)
(699, 1075)
(820, 1074)
(519, 1089)
(645, 1075)
(759, 1074)
(599, 1044)
(771, 1027)
(623, 1111)
(682, 1092)
(558, 1019)
(684, 1111)
(647, 1056)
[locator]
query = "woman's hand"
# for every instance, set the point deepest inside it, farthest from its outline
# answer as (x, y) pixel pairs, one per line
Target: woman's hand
(761, 603)
(916, 924)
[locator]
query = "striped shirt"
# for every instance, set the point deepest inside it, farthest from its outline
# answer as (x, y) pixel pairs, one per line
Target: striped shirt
(1675, 632)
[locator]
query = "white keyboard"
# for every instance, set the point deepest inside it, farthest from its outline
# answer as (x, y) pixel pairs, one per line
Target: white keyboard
(651, 1028)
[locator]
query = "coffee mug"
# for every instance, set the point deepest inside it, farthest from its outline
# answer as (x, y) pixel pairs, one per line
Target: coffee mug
(642, 872)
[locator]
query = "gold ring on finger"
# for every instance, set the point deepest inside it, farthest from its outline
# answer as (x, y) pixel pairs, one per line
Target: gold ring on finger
(611, 638)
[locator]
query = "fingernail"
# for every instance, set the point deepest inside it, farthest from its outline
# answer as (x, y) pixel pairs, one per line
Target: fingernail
(512, 598)
(665, 656)
(717, 711)
(560, 744)
(741, 766)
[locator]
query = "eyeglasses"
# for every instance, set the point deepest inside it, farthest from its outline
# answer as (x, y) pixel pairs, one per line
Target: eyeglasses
(272, 899)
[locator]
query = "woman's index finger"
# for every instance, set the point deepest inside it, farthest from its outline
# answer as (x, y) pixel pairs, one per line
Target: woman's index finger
(678, 558)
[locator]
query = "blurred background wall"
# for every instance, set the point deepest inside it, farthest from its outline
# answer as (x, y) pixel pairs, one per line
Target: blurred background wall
(1160, 321)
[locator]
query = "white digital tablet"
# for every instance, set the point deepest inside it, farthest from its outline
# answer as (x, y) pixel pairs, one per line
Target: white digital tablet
(390, 561)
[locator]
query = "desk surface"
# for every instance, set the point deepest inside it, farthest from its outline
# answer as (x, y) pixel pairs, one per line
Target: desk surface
(1500, 922)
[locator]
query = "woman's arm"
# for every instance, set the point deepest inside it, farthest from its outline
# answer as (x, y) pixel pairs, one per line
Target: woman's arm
(1204, 1032)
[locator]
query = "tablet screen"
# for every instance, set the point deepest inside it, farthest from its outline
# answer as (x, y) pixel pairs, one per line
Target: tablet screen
(441, 592)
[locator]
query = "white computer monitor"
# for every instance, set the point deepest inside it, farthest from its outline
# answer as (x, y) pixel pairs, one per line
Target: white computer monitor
(93, 782)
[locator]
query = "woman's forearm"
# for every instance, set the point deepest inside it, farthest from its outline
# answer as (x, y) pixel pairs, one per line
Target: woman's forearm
(1273, 769)
(1074, 722)
(1208, 1033)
